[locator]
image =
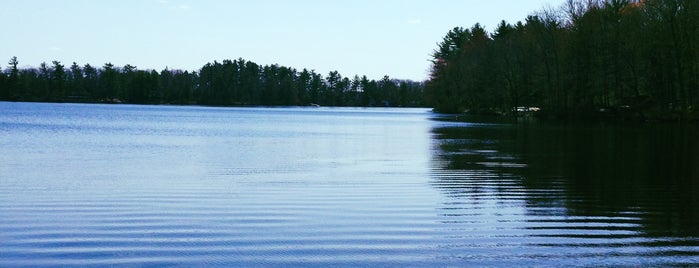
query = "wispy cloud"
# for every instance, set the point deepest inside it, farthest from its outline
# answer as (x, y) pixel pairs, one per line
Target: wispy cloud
(55, 49)
(184, 7)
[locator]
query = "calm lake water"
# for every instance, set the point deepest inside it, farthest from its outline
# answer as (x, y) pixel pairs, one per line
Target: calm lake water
(106, 185)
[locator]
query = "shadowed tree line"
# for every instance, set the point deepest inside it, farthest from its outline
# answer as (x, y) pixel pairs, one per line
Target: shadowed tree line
(231, 82)
(635, 57)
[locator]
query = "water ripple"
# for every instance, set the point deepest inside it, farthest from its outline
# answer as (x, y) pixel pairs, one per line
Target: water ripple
(119, 185)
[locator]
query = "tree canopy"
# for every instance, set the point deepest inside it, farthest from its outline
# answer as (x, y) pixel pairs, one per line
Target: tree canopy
(621, 54)
(230, 82)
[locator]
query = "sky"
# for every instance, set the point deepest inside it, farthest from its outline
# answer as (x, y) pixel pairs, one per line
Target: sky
(355, 37)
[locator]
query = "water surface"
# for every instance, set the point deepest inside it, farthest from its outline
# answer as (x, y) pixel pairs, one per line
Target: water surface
(96, 185)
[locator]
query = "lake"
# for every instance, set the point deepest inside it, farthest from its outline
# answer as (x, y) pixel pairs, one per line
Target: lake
(122, 185)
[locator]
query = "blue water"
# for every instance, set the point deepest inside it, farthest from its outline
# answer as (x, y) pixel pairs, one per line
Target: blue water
(121, 185)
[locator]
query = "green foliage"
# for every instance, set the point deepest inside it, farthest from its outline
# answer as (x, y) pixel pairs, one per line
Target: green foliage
(230, 82)
(630, 54)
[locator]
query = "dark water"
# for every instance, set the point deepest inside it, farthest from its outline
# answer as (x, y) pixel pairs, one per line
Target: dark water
(113, 185)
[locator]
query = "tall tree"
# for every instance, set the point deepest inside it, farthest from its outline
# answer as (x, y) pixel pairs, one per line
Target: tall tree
(303, 85)
(58, 82)
(109, 83)
(44, 86)
(12, 88)
(91, 82)
(76, 85)
(444, 92)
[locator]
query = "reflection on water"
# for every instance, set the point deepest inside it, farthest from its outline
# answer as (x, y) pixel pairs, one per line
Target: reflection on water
(120, 185)
(625, 194)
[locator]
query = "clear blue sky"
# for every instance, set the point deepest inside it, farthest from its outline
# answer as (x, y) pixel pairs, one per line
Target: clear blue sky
(364, 37)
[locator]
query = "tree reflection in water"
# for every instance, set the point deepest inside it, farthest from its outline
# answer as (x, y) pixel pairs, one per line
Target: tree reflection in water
(646, 174)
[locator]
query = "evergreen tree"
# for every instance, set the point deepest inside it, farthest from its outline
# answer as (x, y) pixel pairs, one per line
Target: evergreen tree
(109, 84)
(76, 85)
(58, 82)
(44, 82)
(11, 90)
(91, 81)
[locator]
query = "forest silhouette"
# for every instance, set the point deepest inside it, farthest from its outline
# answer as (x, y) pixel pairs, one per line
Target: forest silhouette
(230, 82)
(632, 58)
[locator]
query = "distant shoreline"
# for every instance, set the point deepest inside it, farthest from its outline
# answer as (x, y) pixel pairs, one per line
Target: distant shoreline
(616, 117)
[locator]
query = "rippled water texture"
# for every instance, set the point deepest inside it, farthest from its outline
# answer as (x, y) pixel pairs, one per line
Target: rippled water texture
(105, 185)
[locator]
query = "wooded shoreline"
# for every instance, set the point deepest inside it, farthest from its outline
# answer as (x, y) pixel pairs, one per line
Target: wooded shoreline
(633, 58)
(618, 60)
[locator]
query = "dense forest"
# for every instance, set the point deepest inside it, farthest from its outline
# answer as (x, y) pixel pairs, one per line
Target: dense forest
(638, 57)
(231, 82)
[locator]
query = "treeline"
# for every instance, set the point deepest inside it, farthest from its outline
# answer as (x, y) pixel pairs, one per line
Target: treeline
(639, 56)
(231, 82)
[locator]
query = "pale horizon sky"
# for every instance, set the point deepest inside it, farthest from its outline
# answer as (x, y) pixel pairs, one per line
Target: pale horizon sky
(359, 37)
